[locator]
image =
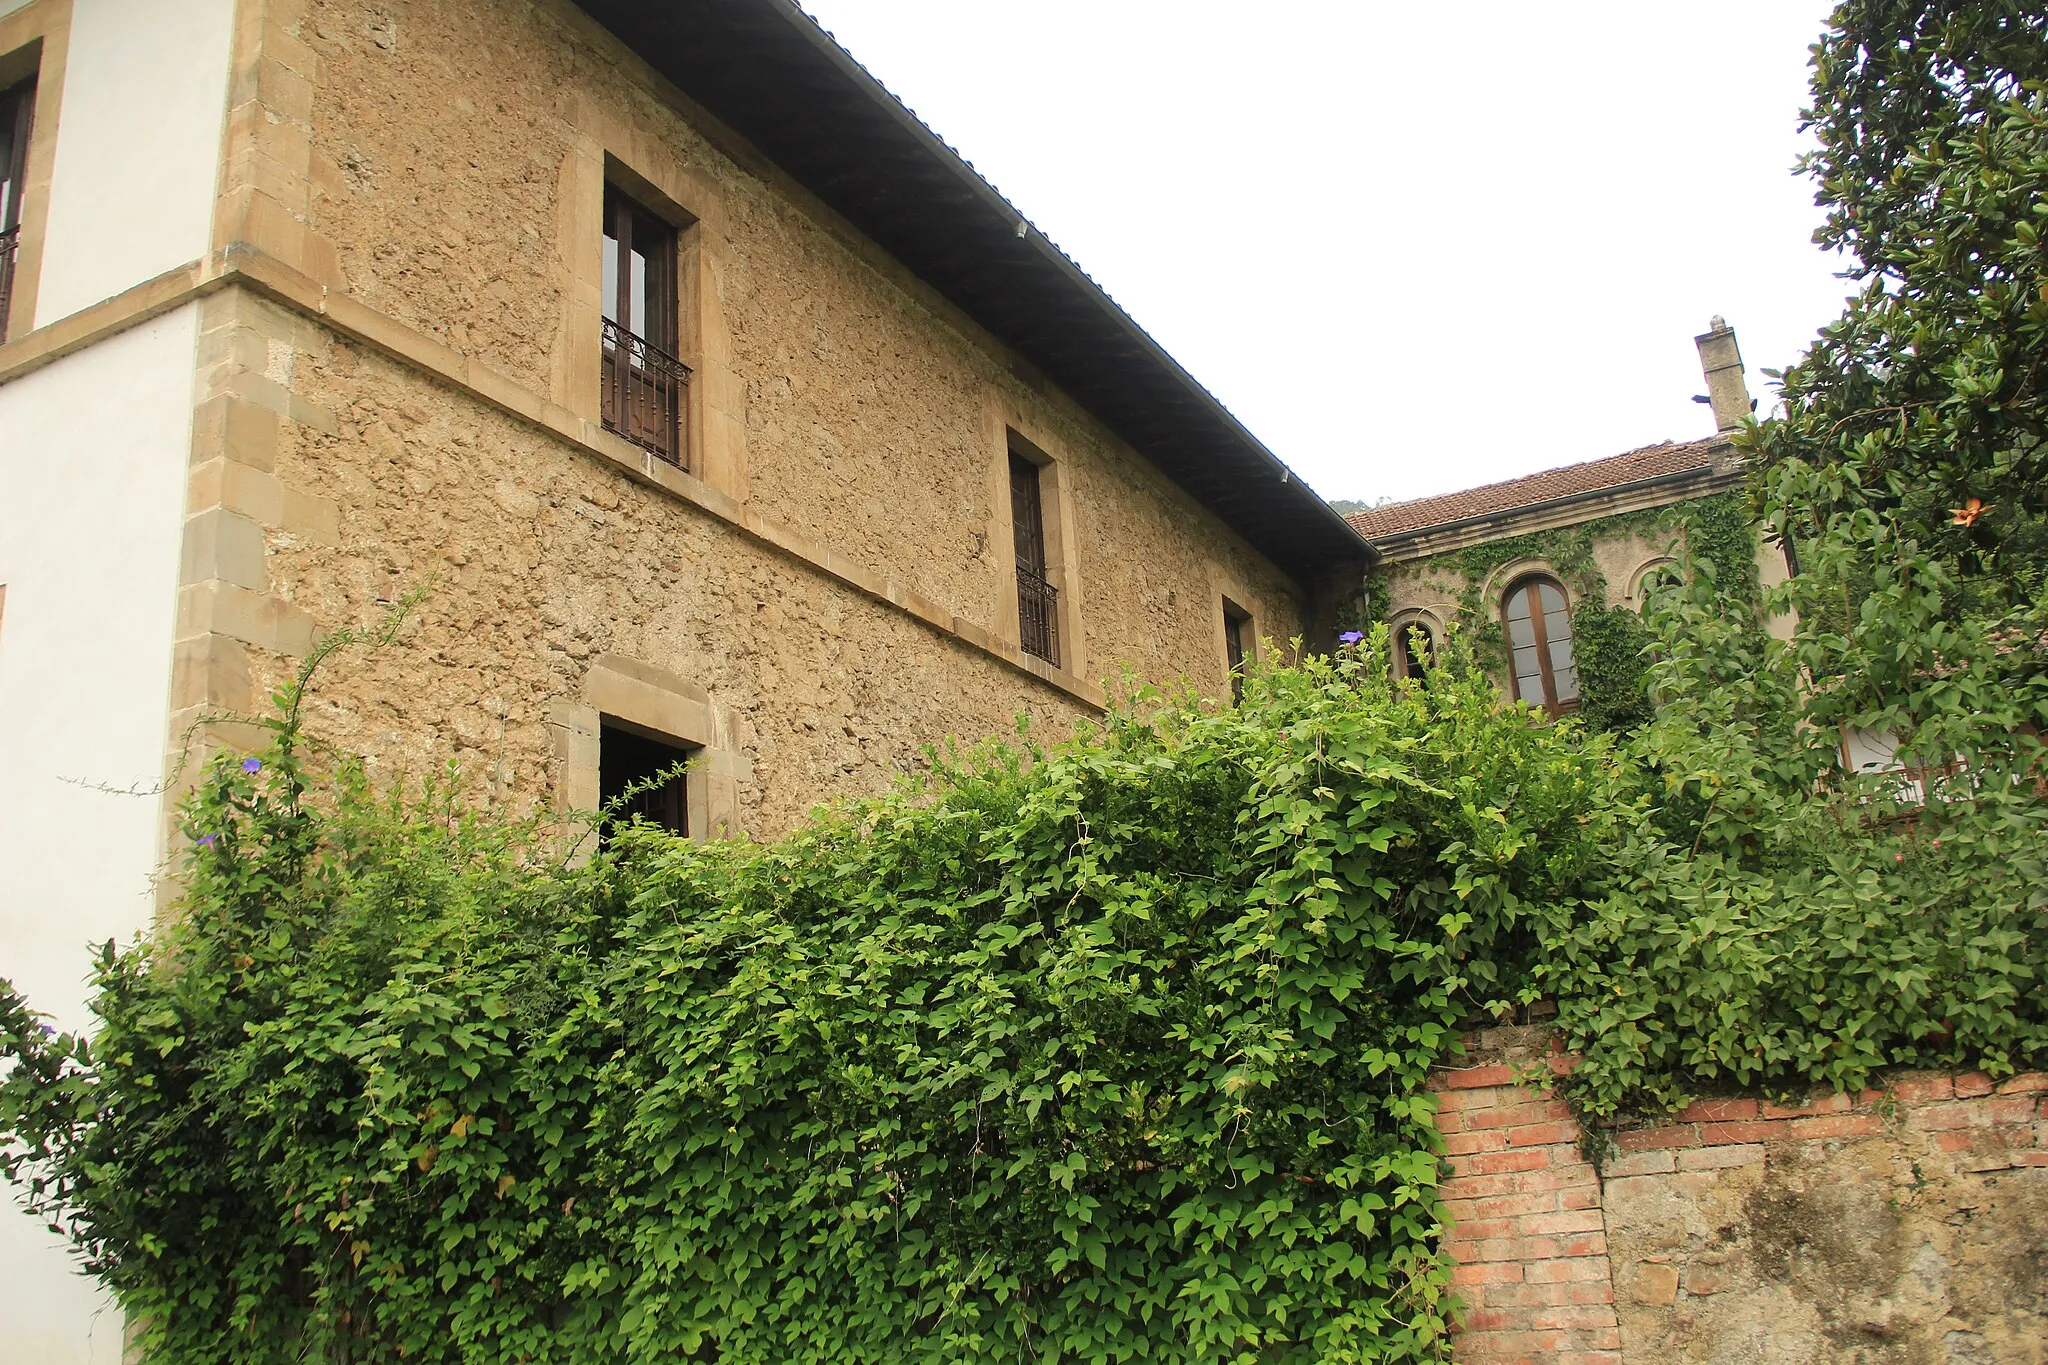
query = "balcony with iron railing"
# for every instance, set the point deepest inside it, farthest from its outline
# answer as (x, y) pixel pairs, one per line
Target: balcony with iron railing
(1038, 615)
(646, 394)
(8, 241)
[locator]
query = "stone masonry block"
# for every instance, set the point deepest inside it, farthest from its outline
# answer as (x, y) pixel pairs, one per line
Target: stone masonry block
(1657, 1162)
(237, 487)
(236, 430)
(1654, 1284)
(211, 671)
(311, 518)
(241, 614)
(1720, 1158)
(224, 545)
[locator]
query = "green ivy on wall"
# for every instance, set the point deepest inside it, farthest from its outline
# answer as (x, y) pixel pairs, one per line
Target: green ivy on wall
(1609, 642)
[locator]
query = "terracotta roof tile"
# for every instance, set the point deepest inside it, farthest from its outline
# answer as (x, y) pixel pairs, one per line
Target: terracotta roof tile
(1400, 518)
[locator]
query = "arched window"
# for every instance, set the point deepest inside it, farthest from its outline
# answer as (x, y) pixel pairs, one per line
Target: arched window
(1412, 642)
(1657, 573)
(1539, 630)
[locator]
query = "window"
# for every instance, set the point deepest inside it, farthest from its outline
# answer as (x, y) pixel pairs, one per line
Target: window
(1038, 601)
(1652, 577)
(1413, 645)
(628, 757)
(1237, 644)
(646, 388)
(16, 105)
(1539, 631)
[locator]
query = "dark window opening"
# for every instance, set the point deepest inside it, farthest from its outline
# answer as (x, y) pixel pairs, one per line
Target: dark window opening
(1657, 579)
(1237, 639)
(1539, 630)
(646, 389)
(626, 758)
(17, 105)
(1038, 605)
(1414, 648)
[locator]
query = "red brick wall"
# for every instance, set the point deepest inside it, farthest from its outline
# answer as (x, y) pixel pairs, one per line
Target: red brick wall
(1527, 1230)
(1531, 1217)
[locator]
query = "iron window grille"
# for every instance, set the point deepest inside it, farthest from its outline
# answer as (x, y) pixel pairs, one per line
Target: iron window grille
(1038, 616)
(646, 393)
(646, 388)
(1038, 601)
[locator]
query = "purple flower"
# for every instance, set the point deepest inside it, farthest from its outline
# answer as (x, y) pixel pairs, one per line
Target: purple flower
(206, 840)
(1351, 637)
(252, 765)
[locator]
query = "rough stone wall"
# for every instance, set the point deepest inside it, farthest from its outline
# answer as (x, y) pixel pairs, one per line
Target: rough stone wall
(1904, 1226)
(537, 560)
(438, 131)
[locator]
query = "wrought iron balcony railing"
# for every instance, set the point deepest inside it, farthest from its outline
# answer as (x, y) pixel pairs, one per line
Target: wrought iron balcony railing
(646, 394)
(8, 241)
(1038, 615)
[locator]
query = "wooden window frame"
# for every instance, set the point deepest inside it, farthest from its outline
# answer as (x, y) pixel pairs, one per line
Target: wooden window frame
(1548, 701)
(17, 114)
(644, 388)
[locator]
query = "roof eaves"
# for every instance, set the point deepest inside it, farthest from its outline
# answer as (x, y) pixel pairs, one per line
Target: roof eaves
(1392, 546)
(1336, 536)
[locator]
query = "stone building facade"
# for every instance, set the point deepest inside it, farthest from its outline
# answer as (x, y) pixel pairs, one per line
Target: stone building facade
(708, 404)
(1532, 570)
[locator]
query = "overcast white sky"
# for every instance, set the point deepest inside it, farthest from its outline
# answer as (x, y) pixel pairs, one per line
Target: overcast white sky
(1412, 247)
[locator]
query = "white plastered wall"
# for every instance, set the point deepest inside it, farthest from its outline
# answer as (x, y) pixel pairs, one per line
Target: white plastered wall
(92, 506)
(138, 146)
(94, 451)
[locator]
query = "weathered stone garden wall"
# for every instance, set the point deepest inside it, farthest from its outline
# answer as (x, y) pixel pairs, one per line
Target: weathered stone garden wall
(1905, 1225)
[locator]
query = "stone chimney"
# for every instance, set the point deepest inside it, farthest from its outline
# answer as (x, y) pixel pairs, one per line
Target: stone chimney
(1722, 362)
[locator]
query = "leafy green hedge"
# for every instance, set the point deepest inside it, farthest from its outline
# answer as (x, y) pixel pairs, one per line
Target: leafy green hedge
(1111, 1052)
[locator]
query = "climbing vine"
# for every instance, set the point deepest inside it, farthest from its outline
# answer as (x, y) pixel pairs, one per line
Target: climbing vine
(1609, 642)
(1110, 1052)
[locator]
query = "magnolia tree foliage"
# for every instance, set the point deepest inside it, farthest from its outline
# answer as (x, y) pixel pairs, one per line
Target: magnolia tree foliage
(1926, 404)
